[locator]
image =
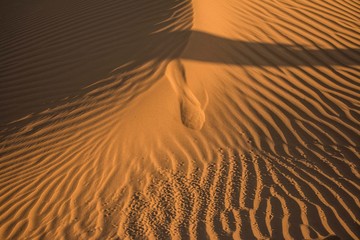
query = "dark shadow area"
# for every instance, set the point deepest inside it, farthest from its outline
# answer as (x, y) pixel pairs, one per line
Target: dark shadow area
(209, 48)
(54, 52)
(51, 51)
(205, 47)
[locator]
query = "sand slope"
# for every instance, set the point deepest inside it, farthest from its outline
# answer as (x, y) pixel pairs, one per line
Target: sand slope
(180, 119)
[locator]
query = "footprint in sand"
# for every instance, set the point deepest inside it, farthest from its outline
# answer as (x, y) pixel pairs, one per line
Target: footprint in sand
(192, 114)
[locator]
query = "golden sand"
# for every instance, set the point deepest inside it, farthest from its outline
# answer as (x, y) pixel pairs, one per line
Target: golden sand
(179, 119)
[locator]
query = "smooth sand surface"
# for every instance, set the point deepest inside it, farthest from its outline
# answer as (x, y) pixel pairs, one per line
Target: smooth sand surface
(178, 119)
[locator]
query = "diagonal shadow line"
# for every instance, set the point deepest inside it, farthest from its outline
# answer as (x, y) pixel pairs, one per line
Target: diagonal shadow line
(207, 47)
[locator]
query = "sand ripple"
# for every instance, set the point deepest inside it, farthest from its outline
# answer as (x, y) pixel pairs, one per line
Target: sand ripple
(258, 139)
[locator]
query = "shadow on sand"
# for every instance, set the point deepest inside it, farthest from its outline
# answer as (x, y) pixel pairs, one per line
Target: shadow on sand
(54, 66)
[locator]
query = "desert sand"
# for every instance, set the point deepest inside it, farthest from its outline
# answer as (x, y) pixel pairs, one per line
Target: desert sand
(180, 119)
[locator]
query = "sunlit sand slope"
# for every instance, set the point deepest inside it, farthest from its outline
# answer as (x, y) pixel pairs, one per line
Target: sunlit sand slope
(180, 119)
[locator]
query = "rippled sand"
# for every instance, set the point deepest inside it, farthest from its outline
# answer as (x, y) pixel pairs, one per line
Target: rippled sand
(178, 119)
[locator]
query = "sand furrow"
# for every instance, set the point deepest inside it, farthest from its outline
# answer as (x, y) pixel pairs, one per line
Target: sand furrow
(317, 187)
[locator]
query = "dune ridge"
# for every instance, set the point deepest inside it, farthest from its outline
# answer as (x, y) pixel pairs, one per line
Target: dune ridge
(96, 142)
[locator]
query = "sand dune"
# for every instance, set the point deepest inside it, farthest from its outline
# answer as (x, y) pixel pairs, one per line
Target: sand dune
(178, 119)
